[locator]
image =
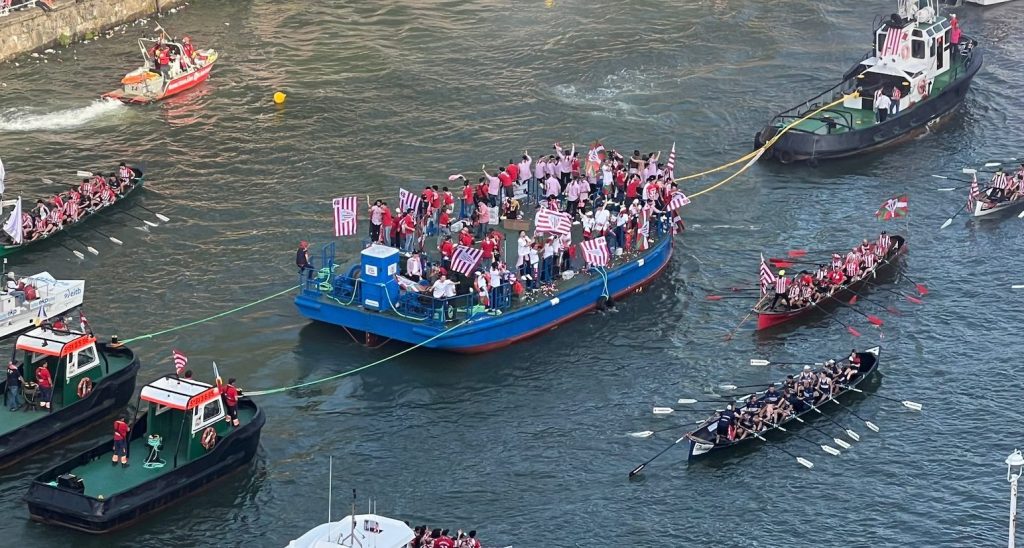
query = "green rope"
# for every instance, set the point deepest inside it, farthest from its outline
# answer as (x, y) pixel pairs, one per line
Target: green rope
(358, 369)
(215, 316)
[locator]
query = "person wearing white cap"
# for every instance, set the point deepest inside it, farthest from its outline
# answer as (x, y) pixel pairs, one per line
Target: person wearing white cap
(807, 374)
(588, 225)
(781, 288)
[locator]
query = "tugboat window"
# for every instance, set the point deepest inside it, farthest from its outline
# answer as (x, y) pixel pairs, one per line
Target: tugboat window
(917, 49)
(83, 360)
(931, 51)
(207, 415)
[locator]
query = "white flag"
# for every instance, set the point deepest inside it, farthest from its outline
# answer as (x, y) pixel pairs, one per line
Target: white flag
(13, 224)
(2, 174)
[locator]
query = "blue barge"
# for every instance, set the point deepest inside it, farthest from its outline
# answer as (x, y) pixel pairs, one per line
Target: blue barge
(367, 299)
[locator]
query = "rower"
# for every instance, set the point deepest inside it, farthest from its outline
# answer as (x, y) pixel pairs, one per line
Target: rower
(807, 393)
(807, 375)
(745, 424)
(869, 261)
(853, 368)
(772, 410)
(884, 241)
(837, 261)
(781, 287)
(726, 422)
(999, 184)
(853, 269)
(825, 388)
(793, 297)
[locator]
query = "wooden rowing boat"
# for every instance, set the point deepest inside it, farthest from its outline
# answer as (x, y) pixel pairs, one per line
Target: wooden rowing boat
(988, 206)
(703, 443)
(768, 317)
(133, 184)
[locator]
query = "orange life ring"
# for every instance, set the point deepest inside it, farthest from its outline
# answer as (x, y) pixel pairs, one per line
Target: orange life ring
(922, 86)
(84, 387)
(209, 438)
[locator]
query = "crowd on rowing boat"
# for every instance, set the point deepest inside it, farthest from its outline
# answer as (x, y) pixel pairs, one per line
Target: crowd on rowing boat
(1004, 187)
(68, 207)
(439, 538)
(806, 287)
(606, 193)
(798, 394)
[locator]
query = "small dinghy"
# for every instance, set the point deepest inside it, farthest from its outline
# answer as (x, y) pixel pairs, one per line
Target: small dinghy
(177, 446)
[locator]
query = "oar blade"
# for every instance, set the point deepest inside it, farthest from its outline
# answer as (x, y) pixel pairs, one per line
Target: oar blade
(163, 218)
(116, 241)
(714, 297)
(794, 253)
(83, 173)
(637, 470)
(875, 320)
(142, 228)
(853, 331)
(805, 463)
(92, 250)
(644, 434)
(946, 189)
(151, 223)
(1017, 286)
(760, 362)
(914, 299)
(78, 254)
(728, 386)
(1020, 215)
(921, 289)
(893, 310)
(948, 222)
(842, 443)
(829, 449)
(912, 405)
(940, 177)
(871, 426)
(853, 300)
(663, 410)
(686, 401)
(853, 435)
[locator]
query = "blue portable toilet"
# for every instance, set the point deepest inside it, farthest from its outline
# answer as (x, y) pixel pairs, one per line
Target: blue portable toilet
(379, 288)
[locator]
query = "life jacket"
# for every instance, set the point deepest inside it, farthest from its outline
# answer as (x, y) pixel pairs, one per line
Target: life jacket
(30, 292)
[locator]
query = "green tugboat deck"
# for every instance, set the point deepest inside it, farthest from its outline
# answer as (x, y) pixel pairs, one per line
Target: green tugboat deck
(102, 479)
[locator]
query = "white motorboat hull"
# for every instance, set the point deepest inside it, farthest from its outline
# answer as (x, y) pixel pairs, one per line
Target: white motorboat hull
(980, 210)
(365, 530)
(54, 297)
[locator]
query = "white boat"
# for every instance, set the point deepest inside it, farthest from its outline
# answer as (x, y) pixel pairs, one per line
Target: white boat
(987, 2)
(53, 298)
(988, 206)
(357, 531)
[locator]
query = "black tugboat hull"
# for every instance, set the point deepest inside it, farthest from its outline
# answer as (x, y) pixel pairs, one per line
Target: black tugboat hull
(111, 394)
(797, 146)
(48, 504)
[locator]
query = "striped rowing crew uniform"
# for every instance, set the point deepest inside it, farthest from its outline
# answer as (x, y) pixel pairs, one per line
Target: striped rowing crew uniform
(884, 243)
(1001, 183)
(852, 270)
(781, 288)
(869, 261)
(837, 261)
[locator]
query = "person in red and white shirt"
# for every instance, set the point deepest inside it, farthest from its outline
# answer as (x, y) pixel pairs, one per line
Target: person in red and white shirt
(120, 442)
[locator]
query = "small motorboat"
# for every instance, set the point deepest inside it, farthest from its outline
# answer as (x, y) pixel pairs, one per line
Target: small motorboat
(177, 446)
(704, 441)
(767, 316)
(357, 530)
(48, 298)
(147, 84)
(90, 380)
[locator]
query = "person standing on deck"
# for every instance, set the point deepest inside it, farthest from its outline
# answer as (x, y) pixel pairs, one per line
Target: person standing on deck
(526, 175)
(13, 386)
(302, 259)
(882, 104)
(896, 95)
(954, 33)
(407, 226)
(540, 173)
(466, 202)
(231, 393)
(493, 186)
(45, 384)
(386, 223)
(120, 442)
(414, 267)
(376, 218)
(781, 289)
(507, 182)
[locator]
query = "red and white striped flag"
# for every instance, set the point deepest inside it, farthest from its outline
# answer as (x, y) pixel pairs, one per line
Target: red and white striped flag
(645, 229)
(974, 194)
(465, 259)
(408, 200)
(678, 200)
(83, 323)
(180, 361)
(345, 216)
(553, 222)
(767, 278)
(595, 252)
(893, 39)
(671, 165)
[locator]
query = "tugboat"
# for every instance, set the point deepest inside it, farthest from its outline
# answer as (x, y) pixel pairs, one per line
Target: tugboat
(44, 298)
(180, 444)
(187, 68)
(90, 381)
(919, 58)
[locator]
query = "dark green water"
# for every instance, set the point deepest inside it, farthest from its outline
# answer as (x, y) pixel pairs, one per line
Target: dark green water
(528, 444)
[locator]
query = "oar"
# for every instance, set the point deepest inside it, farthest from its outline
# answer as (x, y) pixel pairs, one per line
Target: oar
(824, 446)
(853, 435)
(949, 221)
(728, 336)
(851, 330)
(77, 253)
(90, 248)
(839, 441)
(720, 297)
(909, 298)
(906, 403)
(1017, 286)
(871, 426)
(163, 218)
(649, 433)
(950, 189)
(148, 223)
(111, 238)
(803, 462)
(670, 410)
(872, 319)
(52, 182)
(766, 362)
(638, 469)
(891, 309)
(734, 387)
(81, 173)
(919, 287)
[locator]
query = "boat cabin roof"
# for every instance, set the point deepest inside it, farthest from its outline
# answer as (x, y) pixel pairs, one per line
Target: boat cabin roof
(49, 342)
(181, 394)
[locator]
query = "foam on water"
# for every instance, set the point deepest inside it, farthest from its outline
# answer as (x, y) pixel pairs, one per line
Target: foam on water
(32, 119)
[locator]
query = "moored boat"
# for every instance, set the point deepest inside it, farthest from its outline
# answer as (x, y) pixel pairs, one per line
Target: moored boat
(768, 315)
(919, 59)
(90, 380)
(704, 441)
(186, 69)
(16, 240)
(48, 298)
(178, 445)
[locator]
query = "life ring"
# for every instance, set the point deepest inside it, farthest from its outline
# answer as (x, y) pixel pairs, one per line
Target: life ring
(84, 387)
(922, 87)
(450, 312)
(209, 438)
(905, 52)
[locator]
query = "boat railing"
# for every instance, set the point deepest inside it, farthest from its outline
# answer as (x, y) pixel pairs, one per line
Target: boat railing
(822, 98)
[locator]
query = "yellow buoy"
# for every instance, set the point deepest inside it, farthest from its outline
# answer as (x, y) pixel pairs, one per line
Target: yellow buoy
(549, 3)
(279, 97)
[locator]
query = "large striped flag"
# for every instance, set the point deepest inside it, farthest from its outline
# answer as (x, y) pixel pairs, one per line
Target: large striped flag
(974, 194)
(408, 200)
(767, 278)
(678, 200)
(14, 227)
(671, 165)
(553, 221)
(595, 252)
(893, 39)
(180, 361)
(465, 259)
(345, 216)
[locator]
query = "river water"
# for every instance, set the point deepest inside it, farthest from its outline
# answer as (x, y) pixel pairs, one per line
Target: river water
(529, 444)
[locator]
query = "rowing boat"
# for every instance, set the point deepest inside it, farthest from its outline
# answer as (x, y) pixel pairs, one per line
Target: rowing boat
(768, 317)
(703, 442)
(988, 206)
(126, 189)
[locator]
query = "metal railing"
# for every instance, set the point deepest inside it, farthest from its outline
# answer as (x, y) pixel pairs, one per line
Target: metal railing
(9, 6)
